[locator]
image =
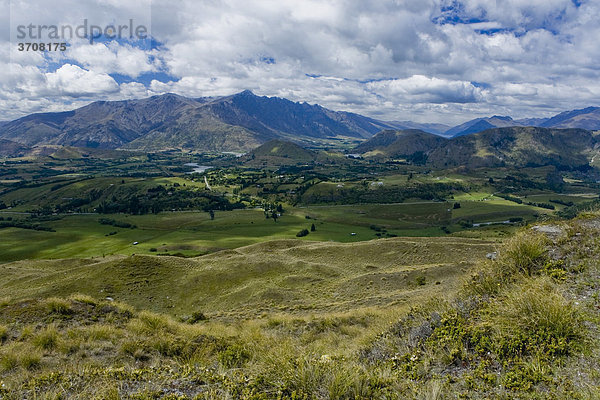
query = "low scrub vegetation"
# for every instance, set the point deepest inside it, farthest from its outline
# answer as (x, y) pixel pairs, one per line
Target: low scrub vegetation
(525, 325)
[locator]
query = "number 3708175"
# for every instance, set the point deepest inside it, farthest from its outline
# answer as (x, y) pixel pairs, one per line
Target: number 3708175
(42, 46)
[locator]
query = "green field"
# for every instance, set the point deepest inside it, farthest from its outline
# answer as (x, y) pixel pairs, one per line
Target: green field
(194, 233)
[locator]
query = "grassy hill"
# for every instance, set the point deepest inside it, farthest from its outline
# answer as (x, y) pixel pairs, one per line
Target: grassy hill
(512, 146)
(517, 146)
(292, 275)
(524, 325)
(400, 143)
(278, 152)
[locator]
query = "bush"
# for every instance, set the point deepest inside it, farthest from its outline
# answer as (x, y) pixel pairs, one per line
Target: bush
(234, 356)
(196, 317)
(302, 233)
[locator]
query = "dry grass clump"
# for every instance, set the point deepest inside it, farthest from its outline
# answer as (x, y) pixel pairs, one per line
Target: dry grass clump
(17, 355)
(47, 338)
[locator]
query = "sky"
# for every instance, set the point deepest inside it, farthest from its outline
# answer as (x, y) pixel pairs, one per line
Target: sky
(438, 61)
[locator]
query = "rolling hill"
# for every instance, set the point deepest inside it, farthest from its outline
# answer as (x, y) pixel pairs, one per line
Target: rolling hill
(282, 273)
(512, 146)
(278, 152)
(400, 143)
(401, 318)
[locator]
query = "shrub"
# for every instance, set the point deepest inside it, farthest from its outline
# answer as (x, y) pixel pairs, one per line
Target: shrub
(234, 356)
(523, 376)
(302, 233)
(196, 317)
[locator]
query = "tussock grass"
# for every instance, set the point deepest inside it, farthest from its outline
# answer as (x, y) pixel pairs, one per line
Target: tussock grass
(512, 332)
(525, 253)
(82, 298)
(47, 339)
(18, 355)
(4, 301)
(153, 324)
(58, 306)
(536, 318)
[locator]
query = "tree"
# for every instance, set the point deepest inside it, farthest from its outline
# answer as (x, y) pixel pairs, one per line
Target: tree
(212, 214)
(313, 228)
(456, 205)
(303, 232)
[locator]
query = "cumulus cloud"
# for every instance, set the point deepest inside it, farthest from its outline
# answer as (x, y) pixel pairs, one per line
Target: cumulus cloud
(74, 81)
(428, 90)
(113, 57)
(426, 60)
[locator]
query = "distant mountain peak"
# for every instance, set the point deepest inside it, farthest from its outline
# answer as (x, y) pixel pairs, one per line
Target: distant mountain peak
(246, 92)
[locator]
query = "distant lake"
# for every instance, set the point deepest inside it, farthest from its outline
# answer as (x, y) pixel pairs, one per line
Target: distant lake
(197, 168)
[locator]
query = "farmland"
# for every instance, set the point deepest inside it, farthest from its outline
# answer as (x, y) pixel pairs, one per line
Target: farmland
(172, 284)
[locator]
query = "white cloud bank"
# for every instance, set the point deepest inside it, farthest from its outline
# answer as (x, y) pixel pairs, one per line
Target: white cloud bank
(425, 60)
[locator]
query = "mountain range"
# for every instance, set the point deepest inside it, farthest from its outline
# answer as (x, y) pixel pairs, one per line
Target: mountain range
(239, 122)
(233, 123)
(498, 147)
(587, 118)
